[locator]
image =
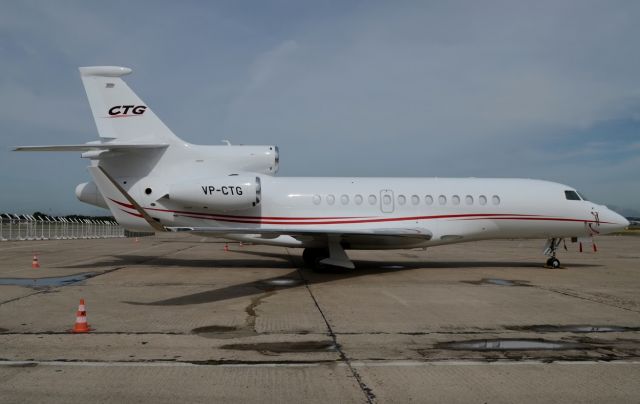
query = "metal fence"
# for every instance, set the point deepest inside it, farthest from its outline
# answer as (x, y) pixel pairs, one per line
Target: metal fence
(26, 227)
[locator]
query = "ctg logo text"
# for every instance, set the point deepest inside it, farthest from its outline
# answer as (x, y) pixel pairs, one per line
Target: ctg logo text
(127, 110)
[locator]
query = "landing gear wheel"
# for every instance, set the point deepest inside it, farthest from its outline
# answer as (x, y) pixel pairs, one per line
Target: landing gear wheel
(553, 263)
(313, 256)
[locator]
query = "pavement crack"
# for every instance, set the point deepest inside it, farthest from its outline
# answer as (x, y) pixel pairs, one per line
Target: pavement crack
(366, 390)
(251, 309)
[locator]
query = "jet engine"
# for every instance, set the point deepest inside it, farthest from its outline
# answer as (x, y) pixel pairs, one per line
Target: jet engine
(218, 193)
(87, 192)
(240, 158)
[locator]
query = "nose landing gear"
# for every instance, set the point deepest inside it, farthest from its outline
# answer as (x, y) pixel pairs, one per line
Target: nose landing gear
(553, 262)
(550, 251)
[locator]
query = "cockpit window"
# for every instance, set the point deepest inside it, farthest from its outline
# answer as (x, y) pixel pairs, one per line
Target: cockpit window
(582, 196)
(572, 195)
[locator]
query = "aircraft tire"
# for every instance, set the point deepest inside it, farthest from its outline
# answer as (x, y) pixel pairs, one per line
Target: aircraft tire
(313, 256)
(553, 263)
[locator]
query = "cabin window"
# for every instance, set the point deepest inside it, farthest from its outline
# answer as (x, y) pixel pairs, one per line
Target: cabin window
(386, 199)
(482, 200)
(469, 200)
(415, 199)
(317, 199)
(455, 200)
(331, 199)
(495, 200)
(372, 199)
(344, 199)
(358, 199)
(402, 199)
(428, 199)
(442, 199)
(572, 195)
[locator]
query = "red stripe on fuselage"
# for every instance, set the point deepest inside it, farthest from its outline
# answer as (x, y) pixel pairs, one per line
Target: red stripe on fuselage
(132, 214)
(352, 219)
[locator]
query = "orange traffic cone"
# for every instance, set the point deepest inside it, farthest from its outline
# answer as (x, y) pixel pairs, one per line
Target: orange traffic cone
(226, 247)
(81, 325)
(34, 263)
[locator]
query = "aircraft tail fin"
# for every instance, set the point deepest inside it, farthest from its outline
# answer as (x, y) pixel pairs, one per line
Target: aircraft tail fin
(118, 112)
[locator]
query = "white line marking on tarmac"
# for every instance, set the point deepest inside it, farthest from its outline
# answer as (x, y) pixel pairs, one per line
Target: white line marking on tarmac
(400, 363)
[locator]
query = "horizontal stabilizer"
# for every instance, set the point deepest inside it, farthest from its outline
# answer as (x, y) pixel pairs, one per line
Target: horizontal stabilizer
(90, 147)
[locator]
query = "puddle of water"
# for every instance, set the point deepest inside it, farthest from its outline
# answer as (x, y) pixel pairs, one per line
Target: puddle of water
(213, 328)
(284, 347)
(53, 281)
(575, 328)
(283, 282)
(499, 282)
(223, 332)
(509, 345)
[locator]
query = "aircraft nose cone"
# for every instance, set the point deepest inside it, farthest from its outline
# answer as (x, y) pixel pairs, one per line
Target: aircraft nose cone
(625, 222)
(620, 221)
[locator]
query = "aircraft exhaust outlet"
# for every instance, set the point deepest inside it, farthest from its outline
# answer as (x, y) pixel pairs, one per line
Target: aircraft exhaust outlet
(219, 193)
(87, 192)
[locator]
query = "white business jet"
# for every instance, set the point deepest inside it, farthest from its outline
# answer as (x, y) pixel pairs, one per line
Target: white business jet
(151, 180)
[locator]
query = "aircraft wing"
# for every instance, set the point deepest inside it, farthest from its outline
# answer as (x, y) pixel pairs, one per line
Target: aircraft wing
(376, 236)
(92, 146)
(400, 232)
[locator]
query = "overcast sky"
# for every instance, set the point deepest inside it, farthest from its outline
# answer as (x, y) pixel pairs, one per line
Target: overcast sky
(537, 89)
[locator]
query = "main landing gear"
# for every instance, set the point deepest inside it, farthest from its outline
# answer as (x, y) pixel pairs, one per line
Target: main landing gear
(550, 251)
(312, 257)
(333, 258)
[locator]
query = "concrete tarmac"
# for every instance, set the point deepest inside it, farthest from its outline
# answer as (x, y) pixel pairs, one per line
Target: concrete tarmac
(177, 318)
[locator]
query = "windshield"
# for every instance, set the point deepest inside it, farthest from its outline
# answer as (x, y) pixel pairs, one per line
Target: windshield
(571, 195)
(582, 196)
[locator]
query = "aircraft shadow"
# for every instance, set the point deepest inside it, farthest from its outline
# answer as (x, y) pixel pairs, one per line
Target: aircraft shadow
(300, 277)
(231, 262)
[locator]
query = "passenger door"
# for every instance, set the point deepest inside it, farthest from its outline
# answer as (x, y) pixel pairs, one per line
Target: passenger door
(386, 201)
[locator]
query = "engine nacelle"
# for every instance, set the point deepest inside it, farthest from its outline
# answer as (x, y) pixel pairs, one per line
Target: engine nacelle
(240, 158)
(87, 192)
(221, 194)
